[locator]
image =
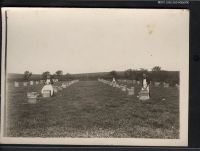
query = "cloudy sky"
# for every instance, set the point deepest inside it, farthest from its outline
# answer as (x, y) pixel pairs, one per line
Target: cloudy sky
(95, 40)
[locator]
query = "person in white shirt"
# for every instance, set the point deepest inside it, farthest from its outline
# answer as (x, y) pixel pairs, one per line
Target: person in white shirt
(146, 83)
(113, 81)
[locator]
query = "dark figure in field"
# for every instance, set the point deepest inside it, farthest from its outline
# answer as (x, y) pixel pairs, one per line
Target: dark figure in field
(146, 83)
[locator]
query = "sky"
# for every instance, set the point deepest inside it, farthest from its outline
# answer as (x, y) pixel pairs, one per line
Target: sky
(86, 40)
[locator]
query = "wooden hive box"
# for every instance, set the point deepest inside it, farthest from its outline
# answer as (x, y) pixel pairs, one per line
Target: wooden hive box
(166, 85)
(156, 84)
(123, 88)
(60, 88)
(31, 82)
(16, 84)
(143, 95)
(25, 84)
(64, 86)
(32, 97)
(46, 94)
(131, 91)
(138, 82)
(55, 89)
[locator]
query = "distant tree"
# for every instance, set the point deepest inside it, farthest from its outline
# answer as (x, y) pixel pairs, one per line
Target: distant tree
(129, 74)
(68, 76)
(156, 68)
(46, 74)
(113, 74)
(59, 74)
(27, 75)
(54, 76)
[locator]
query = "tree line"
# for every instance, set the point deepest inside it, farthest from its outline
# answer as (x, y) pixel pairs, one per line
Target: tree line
(156, 74)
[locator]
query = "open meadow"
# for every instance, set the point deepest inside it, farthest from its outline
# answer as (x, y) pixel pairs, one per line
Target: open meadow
(93, 109)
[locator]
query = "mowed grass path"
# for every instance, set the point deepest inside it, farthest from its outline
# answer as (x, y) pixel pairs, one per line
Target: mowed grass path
(93, 109)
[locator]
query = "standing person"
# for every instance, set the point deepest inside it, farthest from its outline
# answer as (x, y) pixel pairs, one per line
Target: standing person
(114, 81)
(49, 80)
(146, 83)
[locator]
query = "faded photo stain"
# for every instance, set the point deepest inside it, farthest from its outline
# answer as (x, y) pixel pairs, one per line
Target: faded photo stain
(151, 28)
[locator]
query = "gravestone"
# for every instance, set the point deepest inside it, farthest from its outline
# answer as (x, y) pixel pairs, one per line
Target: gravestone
(16, 84)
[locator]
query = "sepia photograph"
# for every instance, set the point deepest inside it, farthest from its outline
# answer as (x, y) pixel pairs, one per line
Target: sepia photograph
(95, 76)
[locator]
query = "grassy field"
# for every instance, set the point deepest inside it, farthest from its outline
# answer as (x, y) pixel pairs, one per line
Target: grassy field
(93, 109)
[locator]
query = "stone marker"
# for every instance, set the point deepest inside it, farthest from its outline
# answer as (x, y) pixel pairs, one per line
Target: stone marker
(16, 84)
